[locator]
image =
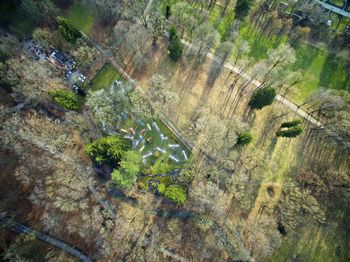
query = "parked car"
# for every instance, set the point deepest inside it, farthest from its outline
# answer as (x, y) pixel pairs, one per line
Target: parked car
(82, 78)
(68, 74)
(78, 90)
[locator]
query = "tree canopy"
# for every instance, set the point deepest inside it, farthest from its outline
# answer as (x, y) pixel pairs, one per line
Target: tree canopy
(175, 48)
(109, 149)
(290, 132)
(129, 168)
(263, 97)
(176, 194)
(245, 138)
(69, 32)
(290, 129)
(67, 99)
(242, 8)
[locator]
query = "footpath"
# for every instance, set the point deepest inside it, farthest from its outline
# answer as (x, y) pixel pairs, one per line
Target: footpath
(19, 228)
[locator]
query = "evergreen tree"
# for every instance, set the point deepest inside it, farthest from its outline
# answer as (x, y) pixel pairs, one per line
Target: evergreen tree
(262, 97)
(67, 99)
(167, 12)
(291, 123)
(290, 129)
(242, 8)
(175, 48)
(69, 32)
(172, 32)
(290, 132)
(109, 149)
(245, 138)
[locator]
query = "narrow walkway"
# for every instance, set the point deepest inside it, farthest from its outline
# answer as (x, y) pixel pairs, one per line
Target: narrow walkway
(19, 228)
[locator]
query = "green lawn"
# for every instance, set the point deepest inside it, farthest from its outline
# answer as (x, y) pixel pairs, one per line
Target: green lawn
(81, 16)
(319, 68)
(105, 77)
(16, 20)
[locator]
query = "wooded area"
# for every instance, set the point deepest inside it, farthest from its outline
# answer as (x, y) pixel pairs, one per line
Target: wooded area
(149, 130)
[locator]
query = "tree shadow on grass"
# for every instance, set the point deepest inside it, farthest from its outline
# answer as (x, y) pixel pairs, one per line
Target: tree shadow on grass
(333, 73)
(305, 55)
(167, 68)
(271, 148)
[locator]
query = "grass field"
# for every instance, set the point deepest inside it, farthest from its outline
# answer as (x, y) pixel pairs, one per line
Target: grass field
(16, 20)
(81, 16)
(105, 77)
(320, 69)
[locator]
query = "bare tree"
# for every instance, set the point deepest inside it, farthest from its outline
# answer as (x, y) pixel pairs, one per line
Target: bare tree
(205, 38)
(136, 9)
(222, 54)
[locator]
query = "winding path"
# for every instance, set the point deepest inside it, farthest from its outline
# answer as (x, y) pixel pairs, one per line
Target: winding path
(19, 228)
(292, 106)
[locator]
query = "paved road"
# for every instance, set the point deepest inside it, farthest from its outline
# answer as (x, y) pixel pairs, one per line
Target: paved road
(19, 228)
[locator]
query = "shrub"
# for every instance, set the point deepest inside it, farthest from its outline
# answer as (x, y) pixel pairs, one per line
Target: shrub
(176, 194)
(67, 99)
(161, 188)
(141, 185)
(109, 149)
(291, 123)
(262, 97)
(290, 132)
(69, 32)
(245, 138)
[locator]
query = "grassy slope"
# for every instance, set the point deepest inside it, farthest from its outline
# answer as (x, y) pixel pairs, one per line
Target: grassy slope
(105, 77)
(81, 16)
